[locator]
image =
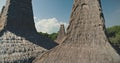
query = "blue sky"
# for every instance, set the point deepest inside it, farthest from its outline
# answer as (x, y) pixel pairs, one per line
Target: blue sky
(49, 14)
(59, 9)
(111, 10)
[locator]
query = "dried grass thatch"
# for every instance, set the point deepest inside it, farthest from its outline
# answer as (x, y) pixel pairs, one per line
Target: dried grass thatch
(86, 40)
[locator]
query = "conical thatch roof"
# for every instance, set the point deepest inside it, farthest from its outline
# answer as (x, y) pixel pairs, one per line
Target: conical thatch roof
(61, 34)
(86, 40)
(1, 23)
(19, 41)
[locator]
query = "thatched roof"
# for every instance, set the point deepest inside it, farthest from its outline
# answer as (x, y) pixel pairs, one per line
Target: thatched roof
(61, 34)
(19, 41)
(86, 40)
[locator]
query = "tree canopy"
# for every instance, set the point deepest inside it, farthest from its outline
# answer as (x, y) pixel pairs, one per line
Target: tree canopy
(52, 36)
(114, 35)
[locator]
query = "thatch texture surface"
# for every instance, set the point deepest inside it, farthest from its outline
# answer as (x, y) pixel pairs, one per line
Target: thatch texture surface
(86, 40)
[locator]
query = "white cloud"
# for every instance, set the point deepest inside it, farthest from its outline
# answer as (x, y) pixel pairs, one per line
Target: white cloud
(35, 17)
(48, 25)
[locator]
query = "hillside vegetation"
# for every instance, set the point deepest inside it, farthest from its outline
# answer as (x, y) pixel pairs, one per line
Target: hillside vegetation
(114, 35)
(52, 36)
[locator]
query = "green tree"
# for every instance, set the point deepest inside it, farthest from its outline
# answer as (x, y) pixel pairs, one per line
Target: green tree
(52, 36)
(114, 35)
(44, 34)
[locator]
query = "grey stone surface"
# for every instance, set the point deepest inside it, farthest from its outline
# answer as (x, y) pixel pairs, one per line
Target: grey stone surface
(61, 34)
(19, 41)
(86, 40)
